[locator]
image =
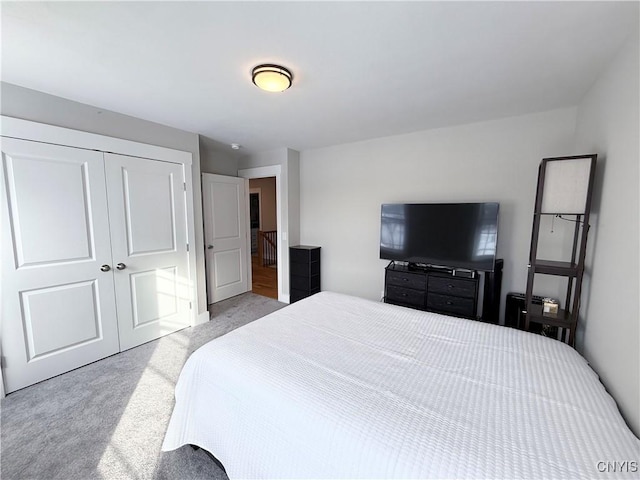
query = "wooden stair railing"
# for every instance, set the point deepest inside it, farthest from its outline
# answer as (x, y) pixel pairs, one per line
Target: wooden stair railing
(268, 247)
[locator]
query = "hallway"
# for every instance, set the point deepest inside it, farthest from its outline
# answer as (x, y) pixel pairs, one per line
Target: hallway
(265, 279)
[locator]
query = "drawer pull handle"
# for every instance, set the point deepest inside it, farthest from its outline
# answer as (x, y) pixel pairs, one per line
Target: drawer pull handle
(450, 286)
(405, 279)
(404, 294)
(449, 302)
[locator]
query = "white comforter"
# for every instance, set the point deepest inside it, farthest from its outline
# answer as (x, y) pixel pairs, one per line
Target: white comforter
(340, 387)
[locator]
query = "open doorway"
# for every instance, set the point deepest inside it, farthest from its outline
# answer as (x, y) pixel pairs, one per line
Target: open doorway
(263, 220)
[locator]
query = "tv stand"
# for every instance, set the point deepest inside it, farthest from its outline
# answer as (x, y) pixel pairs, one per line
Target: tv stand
(445, 290)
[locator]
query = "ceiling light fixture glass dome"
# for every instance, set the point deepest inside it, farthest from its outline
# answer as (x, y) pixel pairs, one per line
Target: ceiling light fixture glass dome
(272, 78)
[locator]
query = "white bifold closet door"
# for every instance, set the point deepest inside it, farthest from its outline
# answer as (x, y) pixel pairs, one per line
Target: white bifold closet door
(149, 244)
(70, 217)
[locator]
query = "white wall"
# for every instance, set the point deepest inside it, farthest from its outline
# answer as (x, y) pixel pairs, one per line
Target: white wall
(293, 184)
(213, 159)
(609, 332)
(342, 188)
(40, 107)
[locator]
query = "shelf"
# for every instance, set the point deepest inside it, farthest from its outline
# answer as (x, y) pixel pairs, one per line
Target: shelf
(560, 319)
(553, 267)
(565, 184)
(557, 214)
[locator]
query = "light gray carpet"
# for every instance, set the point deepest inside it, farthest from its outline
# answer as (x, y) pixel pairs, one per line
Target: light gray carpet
(107, 420)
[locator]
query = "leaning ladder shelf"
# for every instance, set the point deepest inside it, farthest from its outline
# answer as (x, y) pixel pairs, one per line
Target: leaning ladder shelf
(569, 182)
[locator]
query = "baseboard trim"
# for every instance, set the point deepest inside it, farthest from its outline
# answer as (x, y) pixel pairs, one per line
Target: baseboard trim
(284, 298)
(202, 317)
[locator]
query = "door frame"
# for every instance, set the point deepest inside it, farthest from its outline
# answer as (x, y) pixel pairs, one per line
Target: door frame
(272, 171)
(40, 132)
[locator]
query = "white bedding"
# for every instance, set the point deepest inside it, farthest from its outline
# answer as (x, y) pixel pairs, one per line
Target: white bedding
(340, 387)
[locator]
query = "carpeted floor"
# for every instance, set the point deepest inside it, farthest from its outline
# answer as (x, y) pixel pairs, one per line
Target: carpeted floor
(107, 420)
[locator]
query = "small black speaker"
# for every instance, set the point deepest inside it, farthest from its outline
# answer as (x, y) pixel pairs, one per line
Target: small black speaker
(513, 316)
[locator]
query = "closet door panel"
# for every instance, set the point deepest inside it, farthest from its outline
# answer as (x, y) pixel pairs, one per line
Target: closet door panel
(58, 306)
(147, 209)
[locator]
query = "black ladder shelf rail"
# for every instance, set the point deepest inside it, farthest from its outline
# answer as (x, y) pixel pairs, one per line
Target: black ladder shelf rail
(566, 318)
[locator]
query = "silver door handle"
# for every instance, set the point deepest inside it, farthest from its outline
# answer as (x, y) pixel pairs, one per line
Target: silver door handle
(209, 247)
(121, 266)
(105, 268)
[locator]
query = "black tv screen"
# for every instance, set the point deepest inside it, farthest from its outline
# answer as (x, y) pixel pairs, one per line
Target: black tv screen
(454, 235)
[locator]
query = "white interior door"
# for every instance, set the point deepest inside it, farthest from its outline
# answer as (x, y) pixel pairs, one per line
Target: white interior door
(58, 308)
(225, 232)
(147, 211)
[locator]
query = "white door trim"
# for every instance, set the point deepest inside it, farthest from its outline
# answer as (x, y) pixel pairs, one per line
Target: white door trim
(272, 171)
(41, 132)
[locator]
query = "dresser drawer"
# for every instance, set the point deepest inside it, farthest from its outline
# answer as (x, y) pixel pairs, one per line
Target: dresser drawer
(405, 279)
(405, 296)
(459, 287)
(303, 254)
(305, 283)
(309, 268)
(451, 305)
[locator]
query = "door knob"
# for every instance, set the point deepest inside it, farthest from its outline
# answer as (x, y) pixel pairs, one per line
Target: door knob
(121, 266)
(105, 268)
(209, 247)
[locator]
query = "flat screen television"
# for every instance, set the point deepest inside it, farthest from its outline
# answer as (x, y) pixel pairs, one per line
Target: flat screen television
(452, 235)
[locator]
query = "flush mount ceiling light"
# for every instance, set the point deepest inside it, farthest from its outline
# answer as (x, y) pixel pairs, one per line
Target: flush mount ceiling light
(272, 78)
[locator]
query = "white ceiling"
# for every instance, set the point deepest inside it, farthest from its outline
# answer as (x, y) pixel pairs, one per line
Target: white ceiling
(361, 70)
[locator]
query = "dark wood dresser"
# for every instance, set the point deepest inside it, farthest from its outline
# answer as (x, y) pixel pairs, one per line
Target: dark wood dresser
(442, 291)
(304, 271)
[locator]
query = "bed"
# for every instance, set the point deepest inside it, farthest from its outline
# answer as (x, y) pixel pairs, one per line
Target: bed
(335, 386)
